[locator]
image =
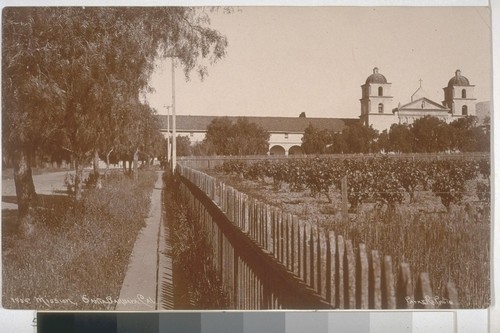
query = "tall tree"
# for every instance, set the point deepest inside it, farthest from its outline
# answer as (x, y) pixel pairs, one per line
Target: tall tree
(316, 141)
(71, 71)
(217, 132)
(183, 145)
(360, 139)
(400, 138)
(249, 138)
(31, 99)
(338, 145)
(240, 138)
(383, 141)
(467, 136)
(430, 135)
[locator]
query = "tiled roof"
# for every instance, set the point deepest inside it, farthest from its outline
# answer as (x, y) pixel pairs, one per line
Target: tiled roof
(271, 124)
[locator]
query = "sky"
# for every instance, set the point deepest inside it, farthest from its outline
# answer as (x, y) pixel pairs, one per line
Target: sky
(282, 61)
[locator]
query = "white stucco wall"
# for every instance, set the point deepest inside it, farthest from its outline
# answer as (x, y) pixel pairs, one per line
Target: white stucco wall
(193, 136)
(285, 140)
(381, 122)
(457, 91)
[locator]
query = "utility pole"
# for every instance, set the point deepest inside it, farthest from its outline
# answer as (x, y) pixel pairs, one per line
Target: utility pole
(168, 134)
(174, 135)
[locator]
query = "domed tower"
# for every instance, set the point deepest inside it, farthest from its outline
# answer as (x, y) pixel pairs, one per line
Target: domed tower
(459, 96)
(376, 102)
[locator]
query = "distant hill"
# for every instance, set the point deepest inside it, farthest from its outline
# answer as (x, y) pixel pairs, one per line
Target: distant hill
(483, 110)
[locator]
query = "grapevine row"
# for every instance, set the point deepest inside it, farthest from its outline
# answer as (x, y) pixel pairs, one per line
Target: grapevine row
(375, 179)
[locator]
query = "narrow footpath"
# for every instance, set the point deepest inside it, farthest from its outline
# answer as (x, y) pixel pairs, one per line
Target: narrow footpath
(165, 298)
(148, 283)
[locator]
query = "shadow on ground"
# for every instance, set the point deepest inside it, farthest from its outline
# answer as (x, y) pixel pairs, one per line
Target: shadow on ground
(45, 202)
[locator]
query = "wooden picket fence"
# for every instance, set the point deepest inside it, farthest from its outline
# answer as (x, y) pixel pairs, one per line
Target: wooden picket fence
(332, 269)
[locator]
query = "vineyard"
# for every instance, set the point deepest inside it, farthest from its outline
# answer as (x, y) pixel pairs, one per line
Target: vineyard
(433, 214)
(377, 179)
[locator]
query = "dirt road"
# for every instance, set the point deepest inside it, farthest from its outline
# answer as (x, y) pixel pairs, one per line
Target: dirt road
(48, 183)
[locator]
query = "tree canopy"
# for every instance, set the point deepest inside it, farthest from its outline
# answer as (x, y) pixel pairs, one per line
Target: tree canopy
(316, 141)
(400, 139)
(239, 138)
(426, 135)
(355, 138)
(72, 77)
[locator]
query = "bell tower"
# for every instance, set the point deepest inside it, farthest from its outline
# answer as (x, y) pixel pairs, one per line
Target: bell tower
(376, 102)
(459, 96)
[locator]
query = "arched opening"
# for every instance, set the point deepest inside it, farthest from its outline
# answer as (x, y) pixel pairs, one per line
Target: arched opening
(464, 93)
(380, 108)
(277, 150)
(380, 91)
(464, 110)
(295, 150)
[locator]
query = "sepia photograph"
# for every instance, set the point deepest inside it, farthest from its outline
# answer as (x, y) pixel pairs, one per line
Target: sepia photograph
(246, 158)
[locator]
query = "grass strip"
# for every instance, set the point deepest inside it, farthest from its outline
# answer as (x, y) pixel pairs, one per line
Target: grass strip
(76, 253)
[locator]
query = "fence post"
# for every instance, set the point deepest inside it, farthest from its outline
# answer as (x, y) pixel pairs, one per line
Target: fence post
(322, 260)
(300, 235)
(275, 232)
(312, 256)
(251, 218)
(339, 263)
(265, 229)
(424, 292)
(277, 235)
(376, 281)
(362, 278)
(331, 268)
(305, 252)
(281, 242)
(236, 282)
(238, 208)
(389, 297)
(220, 252)
(293, 234)
(350, 281)
(286, 241)
(404, 294)
(258, 222)
(245, 213)
(451, 296)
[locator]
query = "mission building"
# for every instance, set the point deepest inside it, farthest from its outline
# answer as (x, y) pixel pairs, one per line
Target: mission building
(376, 110)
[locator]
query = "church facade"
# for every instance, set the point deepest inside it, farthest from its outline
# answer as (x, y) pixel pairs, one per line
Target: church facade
(377, 103)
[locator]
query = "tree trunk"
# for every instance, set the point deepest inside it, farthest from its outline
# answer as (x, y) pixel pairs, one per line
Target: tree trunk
(97, 174)
(136, 162)
(78, 179)
(23, 179)
(107, 163)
